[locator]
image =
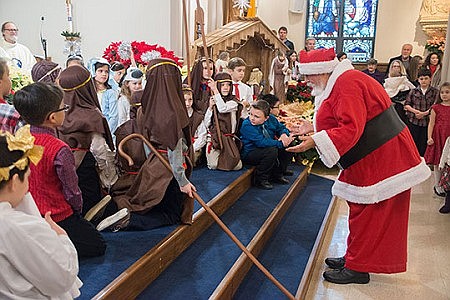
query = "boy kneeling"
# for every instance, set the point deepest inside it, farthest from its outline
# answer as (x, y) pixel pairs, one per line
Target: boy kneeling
(264, 139)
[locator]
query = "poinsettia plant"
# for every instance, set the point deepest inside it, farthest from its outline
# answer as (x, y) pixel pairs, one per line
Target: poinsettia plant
(436, 45)
(142, 52)
(299, 91)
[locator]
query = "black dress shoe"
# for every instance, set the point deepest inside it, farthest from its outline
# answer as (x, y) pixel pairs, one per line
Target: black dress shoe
(345, 276)
(288, 173)
(265, 185)
(335, 262)
(280, 180)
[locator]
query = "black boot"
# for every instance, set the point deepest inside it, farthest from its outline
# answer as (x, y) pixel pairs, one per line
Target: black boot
(446, 208)
(335, 262)
(345, 276)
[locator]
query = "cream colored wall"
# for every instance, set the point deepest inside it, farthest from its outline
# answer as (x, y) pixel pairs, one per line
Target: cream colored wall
(100, 23)
(397, 24)
(155, 21)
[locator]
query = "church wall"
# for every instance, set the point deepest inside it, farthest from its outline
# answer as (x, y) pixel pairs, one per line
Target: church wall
(101, 22)
(397, 24)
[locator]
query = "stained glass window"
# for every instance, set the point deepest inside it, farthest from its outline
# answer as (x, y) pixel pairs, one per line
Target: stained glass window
(346, 25)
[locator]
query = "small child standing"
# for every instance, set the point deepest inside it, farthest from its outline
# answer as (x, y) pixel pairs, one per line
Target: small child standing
(417, 106)
(131, 83)
(201, 73)
(261, 149)
(107, 96)
(54, 182)
(438, 131)
(38, 259)
(242, 92)
(222, 152)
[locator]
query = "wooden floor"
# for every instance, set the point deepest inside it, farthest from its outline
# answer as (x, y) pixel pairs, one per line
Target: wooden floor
(428, 275)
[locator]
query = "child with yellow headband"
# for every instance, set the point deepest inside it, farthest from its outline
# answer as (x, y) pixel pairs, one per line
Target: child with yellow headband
(30, 245)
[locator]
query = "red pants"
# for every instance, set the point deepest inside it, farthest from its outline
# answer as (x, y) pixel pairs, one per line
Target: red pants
(377, 241)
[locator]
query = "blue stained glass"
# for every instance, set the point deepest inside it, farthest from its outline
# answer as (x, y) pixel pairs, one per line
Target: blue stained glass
(358, 50)
(359, 18)
(346, 25)
(322, 43)
(323, 18)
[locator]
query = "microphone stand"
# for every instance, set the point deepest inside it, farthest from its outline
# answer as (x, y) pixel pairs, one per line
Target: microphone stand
(43, 41)
(44, 46)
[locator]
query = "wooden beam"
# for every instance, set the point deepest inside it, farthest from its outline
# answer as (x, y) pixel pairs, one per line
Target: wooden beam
(136, 278)
(230, 283)
(314, 256)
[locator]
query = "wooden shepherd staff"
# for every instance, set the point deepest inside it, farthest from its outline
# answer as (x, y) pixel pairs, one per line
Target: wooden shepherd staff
(207, 208)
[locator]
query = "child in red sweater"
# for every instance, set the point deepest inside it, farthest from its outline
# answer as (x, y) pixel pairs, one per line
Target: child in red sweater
(54, 182)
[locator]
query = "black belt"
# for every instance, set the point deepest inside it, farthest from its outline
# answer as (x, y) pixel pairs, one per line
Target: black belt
(377, 131)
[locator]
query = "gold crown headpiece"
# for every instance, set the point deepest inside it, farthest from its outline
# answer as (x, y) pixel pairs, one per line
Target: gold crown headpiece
(23, 141)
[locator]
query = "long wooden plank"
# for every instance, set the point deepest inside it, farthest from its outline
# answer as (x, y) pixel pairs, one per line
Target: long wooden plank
(313, 257)
(136, 278)
(234, 277)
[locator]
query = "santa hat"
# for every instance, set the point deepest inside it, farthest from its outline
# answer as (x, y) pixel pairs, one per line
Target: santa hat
(320, 61)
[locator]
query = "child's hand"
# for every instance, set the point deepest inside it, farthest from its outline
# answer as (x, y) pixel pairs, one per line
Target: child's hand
(212, 102)
(430, 142)
(188, 189)
(286, 140)
(213, 86)
(245, 103)
(56, 228)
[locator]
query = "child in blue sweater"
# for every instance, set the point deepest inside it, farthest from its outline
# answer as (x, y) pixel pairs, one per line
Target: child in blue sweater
(264, 139)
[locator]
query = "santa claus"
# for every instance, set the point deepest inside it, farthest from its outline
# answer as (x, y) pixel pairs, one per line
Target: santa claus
(356, 128)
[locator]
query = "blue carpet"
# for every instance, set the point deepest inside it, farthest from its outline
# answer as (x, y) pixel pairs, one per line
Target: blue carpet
(287, 254)
(124, 248)
(196, 273)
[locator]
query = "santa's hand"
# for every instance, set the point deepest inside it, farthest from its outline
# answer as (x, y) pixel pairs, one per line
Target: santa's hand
(304, 127)
(188, 189)
(306, 144)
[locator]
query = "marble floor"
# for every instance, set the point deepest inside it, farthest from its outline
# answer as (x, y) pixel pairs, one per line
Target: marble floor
(428, 274)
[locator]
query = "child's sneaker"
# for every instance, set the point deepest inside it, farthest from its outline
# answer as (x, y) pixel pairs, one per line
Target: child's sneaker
(117, 221)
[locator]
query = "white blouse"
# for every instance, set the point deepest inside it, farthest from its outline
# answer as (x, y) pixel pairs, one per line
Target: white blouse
(35, 262)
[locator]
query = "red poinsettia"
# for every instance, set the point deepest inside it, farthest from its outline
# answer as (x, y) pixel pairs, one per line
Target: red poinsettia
(143, 53)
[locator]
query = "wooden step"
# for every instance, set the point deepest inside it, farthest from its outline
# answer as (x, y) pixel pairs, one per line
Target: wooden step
(133, 281)
(230, 283)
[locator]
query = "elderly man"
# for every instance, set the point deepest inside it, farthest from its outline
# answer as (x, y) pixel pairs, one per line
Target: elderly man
(405, 58)
(357, 129)
(18, 53)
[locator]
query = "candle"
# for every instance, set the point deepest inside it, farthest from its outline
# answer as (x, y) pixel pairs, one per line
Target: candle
(69, 15)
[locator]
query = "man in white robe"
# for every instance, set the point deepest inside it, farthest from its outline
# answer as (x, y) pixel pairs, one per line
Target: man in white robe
(18, 53)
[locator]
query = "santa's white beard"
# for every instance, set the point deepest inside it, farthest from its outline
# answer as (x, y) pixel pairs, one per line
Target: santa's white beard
(316, 89)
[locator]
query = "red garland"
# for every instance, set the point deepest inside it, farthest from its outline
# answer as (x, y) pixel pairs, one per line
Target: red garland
(111, 53)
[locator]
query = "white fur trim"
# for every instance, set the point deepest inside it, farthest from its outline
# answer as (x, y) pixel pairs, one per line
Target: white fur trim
(384, 189)
(327, 151)
(342, 67)
(320, 67)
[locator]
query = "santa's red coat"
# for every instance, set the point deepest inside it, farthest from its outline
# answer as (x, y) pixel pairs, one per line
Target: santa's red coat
(377, 187)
